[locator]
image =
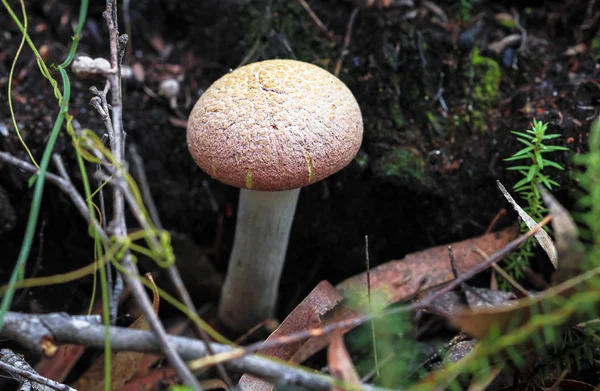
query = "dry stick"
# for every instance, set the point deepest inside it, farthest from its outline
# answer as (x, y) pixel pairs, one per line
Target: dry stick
(347, 38)
(172, 270)
(504, 274)
(316, 19)
(65, 184)
(117, 45)
(60, 328)
(373, 336)
(521, 29)
(23, 372)
(99, 102)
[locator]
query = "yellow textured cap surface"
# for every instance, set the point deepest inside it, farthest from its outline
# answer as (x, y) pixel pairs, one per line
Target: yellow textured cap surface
(275, 125)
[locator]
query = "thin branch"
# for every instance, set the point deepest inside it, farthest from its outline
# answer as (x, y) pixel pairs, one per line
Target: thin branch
(60, 328)
(347, 39)
(172, 270)
(23, 372)
(117, 49)
(317, 20)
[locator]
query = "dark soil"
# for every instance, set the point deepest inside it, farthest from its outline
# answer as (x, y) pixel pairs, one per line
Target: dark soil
(438, 106)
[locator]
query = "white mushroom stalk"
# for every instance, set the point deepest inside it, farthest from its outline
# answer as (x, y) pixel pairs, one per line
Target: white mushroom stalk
(270, 128)
(262, 232)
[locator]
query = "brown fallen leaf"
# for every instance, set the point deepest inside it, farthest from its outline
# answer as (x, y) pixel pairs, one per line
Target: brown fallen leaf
(306, 315)
(479, 323)
(568, 246)
(542, 236)
(551, 303)
(400, 279)
(423, 270)
(123, 364)
(340, 363)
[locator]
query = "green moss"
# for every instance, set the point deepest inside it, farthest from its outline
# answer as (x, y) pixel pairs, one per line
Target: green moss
(477, 120)
(403, 167)
(484, 75)
(288, 32)
(486, 78)
(508, 23)
(596, 48)
(396, 113)
(435, 124)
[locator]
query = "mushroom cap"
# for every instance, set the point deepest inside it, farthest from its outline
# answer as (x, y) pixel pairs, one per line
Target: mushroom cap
(275, 125)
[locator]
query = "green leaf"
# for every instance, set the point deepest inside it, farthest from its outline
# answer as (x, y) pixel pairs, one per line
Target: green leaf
(550, 136)
(539, 159)
(546, 182)
(526, 142)
(523, 135)
(513, 168)
(553, 164)
(521, 183)
(552, 148)
(523, 151)
(32, 180)
(515, 157)
(531, 173)
(554, 183)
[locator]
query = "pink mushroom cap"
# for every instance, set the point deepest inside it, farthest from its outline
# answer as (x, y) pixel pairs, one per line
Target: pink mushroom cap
(275, 125)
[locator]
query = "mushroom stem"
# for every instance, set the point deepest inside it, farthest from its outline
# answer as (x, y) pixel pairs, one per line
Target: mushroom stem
(263, 227)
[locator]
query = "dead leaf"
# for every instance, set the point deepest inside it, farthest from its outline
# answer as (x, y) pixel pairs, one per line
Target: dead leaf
(340, 363)
(399, 279)
(517, 314)
(123, 364)
(569, 249)
(430, 268)
(542, 236)
(307, 315)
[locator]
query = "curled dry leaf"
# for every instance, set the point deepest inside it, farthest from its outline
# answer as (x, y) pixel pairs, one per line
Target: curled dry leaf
(542, 236)
(307, 315)
(569, 249)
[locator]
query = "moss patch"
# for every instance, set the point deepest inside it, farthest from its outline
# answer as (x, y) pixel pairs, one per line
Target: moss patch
(402, 167)
(486, 78)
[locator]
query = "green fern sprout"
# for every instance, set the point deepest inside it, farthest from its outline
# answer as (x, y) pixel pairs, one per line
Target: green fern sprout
(532, 163)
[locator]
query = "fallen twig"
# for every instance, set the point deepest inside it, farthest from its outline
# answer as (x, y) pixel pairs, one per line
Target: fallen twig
(24, 373)
(172, 270)
(33, 331)
(118, 43)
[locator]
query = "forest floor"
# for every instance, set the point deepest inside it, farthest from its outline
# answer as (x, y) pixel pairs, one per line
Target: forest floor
(441, 85)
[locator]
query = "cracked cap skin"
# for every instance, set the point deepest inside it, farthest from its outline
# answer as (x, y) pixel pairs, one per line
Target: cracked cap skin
(275, 125)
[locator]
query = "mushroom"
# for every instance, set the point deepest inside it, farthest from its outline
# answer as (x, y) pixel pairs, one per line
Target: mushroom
(269, 128)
